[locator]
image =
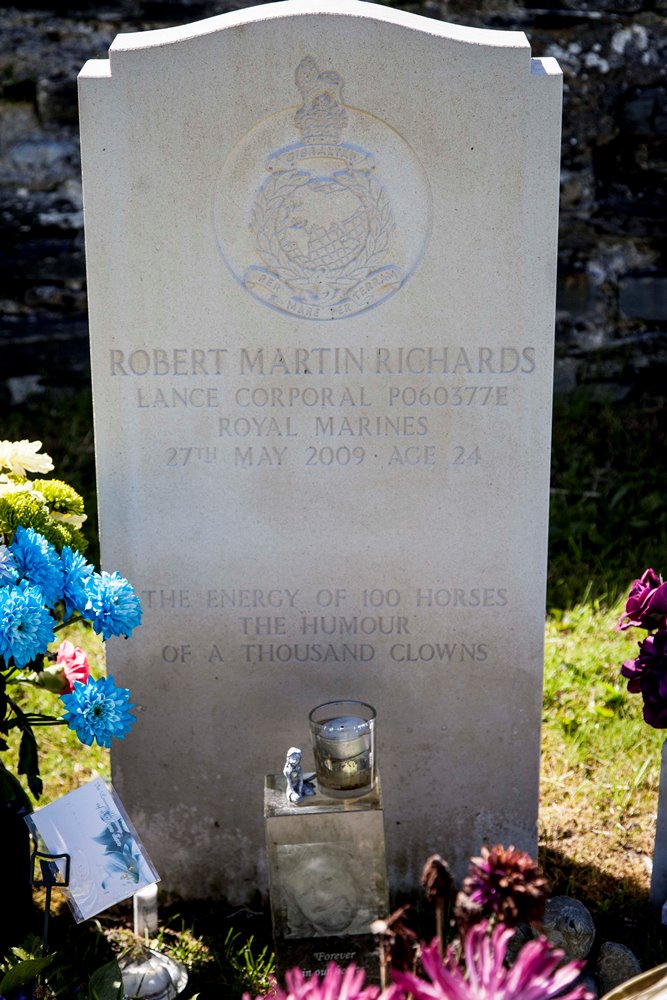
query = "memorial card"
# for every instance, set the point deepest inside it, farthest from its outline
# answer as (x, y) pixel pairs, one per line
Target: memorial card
(108, 861)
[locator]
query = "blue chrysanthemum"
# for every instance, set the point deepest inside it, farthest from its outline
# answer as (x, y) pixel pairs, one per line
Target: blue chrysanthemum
(38, 563)
(26, 627)
(8, 570)
(113, 607)
(76, 573)
(98, 711)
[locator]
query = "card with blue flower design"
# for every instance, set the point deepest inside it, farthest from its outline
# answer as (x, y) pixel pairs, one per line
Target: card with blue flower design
(108, 861)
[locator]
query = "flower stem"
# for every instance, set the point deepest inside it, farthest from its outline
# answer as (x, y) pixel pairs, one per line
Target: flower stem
(440, 924)
(61, 625)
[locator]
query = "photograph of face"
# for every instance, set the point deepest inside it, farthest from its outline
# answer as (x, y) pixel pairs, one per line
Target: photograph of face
(325, 891)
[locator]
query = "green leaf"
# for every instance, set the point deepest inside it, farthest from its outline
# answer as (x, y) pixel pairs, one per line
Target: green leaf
(29, 761)
(24, 973)
(11, 791)
(106, 983)
(35, 784)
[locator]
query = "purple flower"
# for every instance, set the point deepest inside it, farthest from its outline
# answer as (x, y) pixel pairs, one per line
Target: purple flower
(506, 883)
(437, 880)
(336, 985)
(647, 675)
(537, 973)
(646, 605)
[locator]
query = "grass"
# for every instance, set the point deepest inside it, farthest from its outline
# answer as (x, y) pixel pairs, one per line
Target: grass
(64, 762)
(600, 764)
(600, 774)
(608, 517)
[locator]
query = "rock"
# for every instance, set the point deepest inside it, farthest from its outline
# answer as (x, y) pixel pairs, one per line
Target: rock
(522, 935)
(615, 965)
(644, 296)
(644, 111)
(569, 925)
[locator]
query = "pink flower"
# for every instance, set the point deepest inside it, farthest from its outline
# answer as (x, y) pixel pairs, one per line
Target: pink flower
(336, 985)
(74, 664)
(536, 975)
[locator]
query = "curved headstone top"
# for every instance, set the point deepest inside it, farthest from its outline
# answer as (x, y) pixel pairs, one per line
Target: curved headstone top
(356, 9)
(321, 249)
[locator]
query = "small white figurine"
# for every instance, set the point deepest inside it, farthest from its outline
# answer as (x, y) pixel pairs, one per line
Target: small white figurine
(296, 785)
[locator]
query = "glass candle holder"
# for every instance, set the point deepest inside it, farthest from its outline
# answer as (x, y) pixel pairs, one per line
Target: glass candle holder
(343, 735)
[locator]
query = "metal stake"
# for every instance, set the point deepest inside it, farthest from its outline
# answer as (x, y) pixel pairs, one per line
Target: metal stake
(50, 876)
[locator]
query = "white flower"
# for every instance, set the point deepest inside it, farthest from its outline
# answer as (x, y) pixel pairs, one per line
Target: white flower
(73, 520)
(22, 456)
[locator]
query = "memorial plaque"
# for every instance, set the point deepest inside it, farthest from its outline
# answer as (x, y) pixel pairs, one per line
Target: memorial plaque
(321, 247)
(327, 879)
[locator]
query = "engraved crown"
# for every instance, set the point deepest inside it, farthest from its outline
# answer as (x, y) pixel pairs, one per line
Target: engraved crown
(322, 116)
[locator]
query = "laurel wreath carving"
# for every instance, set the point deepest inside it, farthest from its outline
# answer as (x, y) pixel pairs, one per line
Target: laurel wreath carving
(272, 215)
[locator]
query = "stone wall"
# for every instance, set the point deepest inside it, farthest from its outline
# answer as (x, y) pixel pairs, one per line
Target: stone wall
(612, 302)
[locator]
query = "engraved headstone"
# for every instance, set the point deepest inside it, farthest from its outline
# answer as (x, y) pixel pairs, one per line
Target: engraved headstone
(321, 255)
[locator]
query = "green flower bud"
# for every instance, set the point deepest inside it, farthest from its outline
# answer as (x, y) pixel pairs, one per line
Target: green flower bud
(22, 508)
(59, 496)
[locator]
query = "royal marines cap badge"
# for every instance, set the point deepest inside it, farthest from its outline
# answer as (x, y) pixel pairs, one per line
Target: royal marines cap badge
(326, 237)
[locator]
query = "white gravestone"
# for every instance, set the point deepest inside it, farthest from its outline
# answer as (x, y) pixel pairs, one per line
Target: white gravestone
(321, 246)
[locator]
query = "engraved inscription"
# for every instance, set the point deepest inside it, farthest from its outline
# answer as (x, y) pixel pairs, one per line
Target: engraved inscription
(269, 626)
(325, 409)
(223, 362)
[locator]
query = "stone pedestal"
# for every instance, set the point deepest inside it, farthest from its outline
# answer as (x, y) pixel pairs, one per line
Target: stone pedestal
(327, 878)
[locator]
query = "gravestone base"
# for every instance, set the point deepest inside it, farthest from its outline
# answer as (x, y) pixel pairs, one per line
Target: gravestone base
(327, 878)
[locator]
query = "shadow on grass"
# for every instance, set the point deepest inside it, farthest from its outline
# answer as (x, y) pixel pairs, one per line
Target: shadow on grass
(227, 950)
(619, 906)
(608, 516)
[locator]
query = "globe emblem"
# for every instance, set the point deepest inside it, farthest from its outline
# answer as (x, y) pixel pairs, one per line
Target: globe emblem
(326, 226)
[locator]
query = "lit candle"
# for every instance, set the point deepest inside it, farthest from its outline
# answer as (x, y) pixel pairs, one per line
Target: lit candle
(347, 736)
(343, 748)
